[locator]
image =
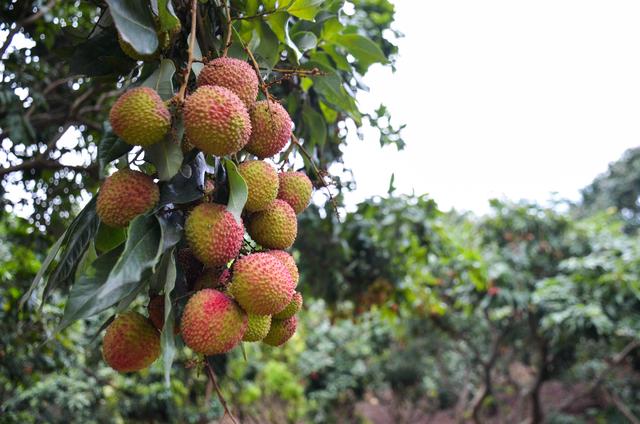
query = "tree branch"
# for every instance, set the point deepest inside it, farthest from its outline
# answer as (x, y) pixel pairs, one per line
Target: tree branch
(227, 41)
(192, 41)
(214, 381)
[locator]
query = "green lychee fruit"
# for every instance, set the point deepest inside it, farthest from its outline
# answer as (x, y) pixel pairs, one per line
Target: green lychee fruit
(275, 227)
(271, 129)
(258, 328)
(262, 182)
(212, 323)
(216, 121)
(213, 234)
(234, 74)
(125, 195)
(295, 188)
(281, 331)
(261, 284)
(131, 343)
(289, 263)
(292, 308)
(139, 117)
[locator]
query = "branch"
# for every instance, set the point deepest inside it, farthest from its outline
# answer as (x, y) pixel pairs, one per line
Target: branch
(26, 21)
(619, 404)
(227, 41)
(615, 361)
(192, 40)
(214, 381)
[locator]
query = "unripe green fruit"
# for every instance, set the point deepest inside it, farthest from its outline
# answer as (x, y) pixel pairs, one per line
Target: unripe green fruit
(258, 328)
(292, 308)
(270, 129)
(288, 261)
(275, 227)
(213, 234)
(295, 188)
(216, 121)
(262, 183)
(139, 117)
(212, 323)
(261, 284)
(125, 195)
(281, 331)
(234, 74)
(131, 343)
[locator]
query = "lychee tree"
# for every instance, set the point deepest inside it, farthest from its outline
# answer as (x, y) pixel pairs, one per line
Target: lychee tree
(221, 118)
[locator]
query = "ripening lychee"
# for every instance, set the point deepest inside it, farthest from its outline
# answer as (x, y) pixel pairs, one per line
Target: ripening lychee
(213, 234)
(155, 309)
(125, 195)
(292, 308)
(261, 284)
(281, 331)
(212, 323)
(258, 328)
(216, 121)
(289, 263)
(131, 343)
(139, 117)
(271, 129)
(275, 227)
(295, 188)
(262, 183)
(234, 74)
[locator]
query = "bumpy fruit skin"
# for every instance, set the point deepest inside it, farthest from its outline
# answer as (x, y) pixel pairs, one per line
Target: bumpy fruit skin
(262, 182)
(139, 117)
(281, 331)
(258, 328)
(216, 121)
(289, 263)
(261, 284)
(212, 323)
(275, 227)
(125, 195)
(271, 129)
(292, 308)
(295, 188)
(234, 74)
(213, 234)
(131, 343)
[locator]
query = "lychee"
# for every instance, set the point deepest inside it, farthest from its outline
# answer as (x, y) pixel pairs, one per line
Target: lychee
(125, 195)
(281, 331)
(288, 261)
(295, 188)
(213, 234)
(262, 183)
(234, 74)
(258, 328)
(275, 227)
(212, 323)
(131, 343)
(271, 129)
(139, 117)
(292, 308)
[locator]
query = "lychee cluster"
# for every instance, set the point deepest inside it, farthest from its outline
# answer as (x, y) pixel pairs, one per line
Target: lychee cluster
(243, 285)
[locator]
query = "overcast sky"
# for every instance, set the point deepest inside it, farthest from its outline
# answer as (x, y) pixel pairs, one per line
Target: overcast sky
(504, 99)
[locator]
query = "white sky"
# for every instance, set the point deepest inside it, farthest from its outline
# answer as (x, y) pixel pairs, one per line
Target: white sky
(504, 99)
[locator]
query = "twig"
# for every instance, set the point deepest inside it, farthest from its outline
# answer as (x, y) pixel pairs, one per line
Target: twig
(619, 404)
(227, 41)
(294, 140)
(192, 41)
(212, 378)
(257, 15)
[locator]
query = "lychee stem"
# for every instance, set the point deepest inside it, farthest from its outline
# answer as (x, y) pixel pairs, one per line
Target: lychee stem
(212, 378)
(192, 41)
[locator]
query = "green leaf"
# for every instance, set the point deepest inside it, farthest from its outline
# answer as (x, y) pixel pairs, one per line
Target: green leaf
(330, 87)
(279, 24)
(161, 79)
(84, 291)
(238, 191)
(305, 9)
(88, 257)
(363, 49)
(167, 338)
(166, 15)
(315, 125)
(81, 232)
(110, 148)
(44, 267)
(134, 22)
(166, 156)
(116, 274)
(109, 238)
(267, 52)
(305, 40)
